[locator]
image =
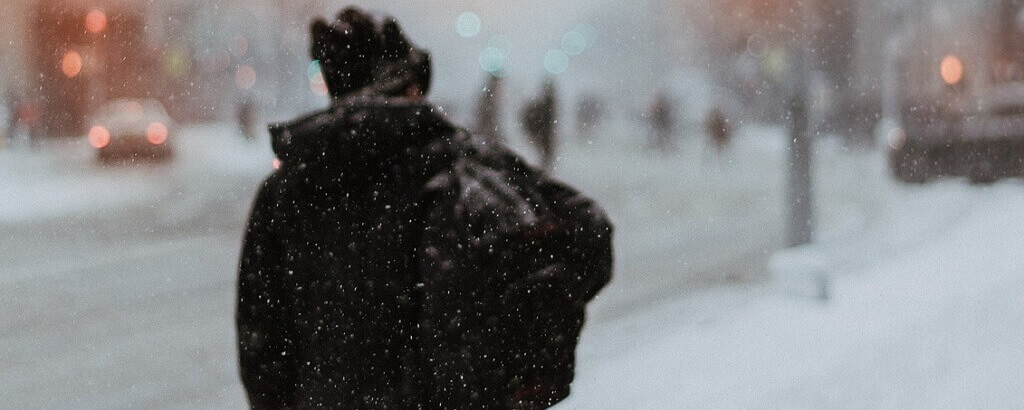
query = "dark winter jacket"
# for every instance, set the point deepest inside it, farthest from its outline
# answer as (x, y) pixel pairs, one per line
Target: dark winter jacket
(395, 261)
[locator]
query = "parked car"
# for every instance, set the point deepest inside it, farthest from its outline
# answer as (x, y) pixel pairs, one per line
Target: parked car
(130, 129)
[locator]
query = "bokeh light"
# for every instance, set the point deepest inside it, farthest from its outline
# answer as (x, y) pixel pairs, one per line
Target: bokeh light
(156, 133)
(245, 77)
(176, 62)
(896, 138)
(756, 45)
(556, 62)
(492, 60)
(573, 43)
(588, 34)
(71, 64)
(99, 137)
(952, 69)
(468, 24)
(95, 21)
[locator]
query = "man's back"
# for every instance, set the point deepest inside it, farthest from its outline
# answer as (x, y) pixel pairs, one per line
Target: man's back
(396, 261)
(329, 242)
(386, 265)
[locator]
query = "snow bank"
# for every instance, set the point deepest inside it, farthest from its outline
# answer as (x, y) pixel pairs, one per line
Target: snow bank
(937, 327)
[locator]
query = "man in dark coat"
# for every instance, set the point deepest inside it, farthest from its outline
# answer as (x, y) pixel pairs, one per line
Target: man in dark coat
(662, 123)
(539, 118)
(396, 261)
(717, 126)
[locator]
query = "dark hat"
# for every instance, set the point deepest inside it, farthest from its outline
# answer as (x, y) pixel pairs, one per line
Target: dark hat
(359, 54)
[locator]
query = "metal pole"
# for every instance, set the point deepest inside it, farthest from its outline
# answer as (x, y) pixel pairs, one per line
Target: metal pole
(801, 209)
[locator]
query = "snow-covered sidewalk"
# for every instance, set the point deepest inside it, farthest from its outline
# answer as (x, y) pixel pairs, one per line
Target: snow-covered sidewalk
(939, 326)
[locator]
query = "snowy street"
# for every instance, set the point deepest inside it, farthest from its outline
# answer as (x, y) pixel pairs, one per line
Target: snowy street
(118, 282)
(124, 297)
(814, 204)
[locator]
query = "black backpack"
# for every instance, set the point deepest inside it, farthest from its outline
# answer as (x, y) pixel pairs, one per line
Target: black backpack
(545, 246)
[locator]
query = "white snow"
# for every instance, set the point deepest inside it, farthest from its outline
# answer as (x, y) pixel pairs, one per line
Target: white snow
(63, 178)
(936, 326)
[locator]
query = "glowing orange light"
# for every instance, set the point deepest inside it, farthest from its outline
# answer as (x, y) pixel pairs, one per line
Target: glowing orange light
(276, 164)
(71, 65)
(245, 77)
(95, 21)
(99, 137)
(952, 69)
(156, 133)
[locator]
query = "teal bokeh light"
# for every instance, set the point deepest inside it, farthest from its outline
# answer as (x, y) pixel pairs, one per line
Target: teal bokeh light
(468, 24)
(556, 62)
(492, 60)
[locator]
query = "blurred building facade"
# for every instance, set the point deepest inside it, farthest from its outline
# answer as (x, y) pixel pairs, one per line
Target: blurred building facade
(199, 57)
(853, 45)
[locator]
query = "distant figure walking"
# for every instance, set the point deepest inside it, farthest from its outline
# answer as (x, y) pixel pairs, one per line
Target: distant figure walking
(27, 114)
(247, 119)
(488, 111)
(662, 124)
(538, 119)
(718, 128)
(7, 119)
(588, 116)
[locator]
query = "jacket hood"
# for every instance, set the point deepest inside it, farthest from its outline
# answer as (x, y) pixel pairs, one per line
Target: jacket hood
(360, 129)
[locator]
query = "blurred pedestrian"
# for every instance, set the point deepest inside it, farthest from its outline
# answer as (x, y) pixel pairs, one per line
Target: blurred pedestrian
(27, 113)
(248, 118)
(397, 261)
(539, 119)
(588, 116)
(717, 126)
(6, 119)
(662, 123)
(488, 112)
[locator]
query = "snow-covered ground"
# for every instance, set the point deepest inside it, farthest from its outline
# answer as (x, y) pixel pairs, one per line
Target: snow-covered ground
(936, 327)
(56, 181)
(118, 282)
(62, 179)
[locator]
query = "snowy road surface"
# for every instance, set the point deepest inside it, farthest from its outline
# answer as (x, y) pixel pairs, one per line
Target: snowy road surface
(118, 283)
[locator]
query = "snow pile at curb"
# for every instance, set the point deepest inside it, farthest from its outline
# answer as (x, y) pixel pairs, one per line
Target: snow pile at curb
(803, 271)
(940, 326)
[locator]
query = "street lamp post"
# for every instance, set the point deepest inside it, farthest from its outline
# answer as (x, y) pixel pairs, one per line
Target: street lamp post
(800, 229)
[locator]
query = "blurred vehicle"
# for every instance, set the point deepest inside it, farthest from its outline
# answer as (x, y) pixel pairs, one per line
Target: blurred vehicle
(129, 129)
(984, 143)
(961, 103)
